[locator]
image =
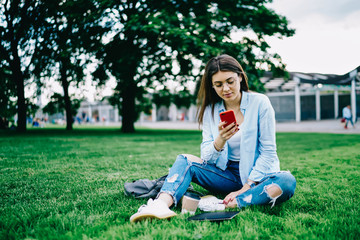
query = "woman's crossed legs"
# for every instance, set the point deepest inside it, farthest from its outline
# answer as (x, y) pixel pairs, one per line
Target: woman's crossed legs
(273, 189)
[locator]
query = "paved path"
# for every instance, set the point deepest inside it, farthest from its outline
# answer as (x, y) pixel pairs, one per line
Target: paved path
(323, 126)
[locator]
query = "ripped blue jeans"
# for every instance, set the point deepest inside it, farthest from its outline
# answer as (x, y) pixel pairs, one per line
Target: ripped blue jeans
(215, 180)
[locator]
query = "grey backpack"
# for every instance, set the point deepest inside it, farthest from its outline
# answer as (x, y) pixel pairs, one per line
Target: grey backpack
(145, 188)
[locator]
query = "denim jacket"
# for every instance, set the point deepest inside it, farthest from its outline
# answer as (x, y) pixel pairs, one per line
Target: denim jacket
(258, 157)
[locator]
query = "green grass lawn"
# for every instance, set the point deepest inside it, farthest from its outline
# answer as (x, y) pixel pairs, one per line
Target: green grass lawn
(56, 184)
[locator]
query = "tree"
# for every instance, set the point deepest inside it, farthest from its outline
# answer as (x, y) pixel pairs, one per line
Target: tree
(143, 103)
(70, 33)
(19, 23)
(150, 36)
(57, 105)
(183, 98)
(7, 93)
(162, 98)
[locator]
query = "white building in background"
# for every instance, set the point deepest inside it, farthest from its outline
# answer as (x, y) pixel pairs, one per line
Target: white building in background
(175, 114)
(97, 112)
(304, 96)
(313, 96)
(104, 112)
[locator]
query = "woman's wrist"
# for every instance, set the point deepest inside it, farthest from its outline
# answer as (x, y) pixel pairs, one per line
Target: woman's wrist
(251, 183)
(219, 144)
(217, 147)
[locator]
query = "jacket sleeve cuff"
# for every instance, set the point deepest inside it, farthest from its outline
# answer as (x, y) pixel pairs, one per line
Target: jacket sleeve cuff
(214, 153)
(209, 153)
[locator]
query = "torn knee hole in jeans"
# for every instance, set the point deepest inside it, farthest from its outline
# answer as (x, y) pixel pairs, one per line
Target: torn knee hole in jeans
(172, 178)
(273, 191)
(248, 198)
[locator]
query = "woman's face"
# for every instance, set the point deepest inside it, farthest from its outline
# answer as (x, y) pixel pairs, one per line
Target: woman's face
(227, 85)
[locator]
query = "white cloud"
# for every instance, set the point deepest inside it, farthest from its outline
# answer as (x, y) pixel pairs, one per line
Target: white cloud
(327, 35)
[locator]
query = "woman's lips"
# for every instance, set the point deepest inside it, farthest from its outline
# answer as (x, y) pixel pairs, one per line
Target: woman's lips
(227, 95)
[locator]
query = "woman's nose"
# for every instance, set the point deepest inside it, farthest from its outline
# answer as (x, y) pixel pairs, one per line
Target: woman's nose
(226, 86)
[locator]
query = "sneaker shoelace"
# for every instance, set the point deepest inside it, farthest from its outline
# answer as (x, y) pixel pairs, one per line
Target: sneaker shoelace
(211, 204)
(150, 201)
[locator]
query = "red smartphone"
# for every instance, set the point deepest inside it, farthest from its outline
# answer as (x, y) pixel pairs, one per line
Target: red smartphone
(228, 117)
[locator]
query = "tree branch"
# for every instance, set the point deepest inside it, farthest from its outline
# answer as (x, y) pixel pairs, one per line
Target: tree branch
(23, 19)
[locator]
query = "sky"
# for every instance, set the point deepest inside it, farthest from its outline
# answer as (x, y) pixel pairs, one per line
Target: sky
(327, 37)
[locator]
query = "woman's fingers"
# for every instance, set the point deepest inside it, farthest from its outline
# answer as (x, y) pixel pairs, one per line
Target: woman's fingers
(226, 201)
(231, 204)
(221, 125)
(228, 131)
(230, 197)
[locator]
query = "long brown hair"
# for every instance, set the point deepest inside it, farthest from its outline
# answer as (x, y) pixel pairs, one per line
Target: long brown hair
(207, 95)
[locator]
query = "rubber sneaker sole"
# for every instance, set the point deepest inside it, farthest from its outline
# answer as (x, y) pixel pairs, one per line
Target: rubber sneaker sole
(142, 216)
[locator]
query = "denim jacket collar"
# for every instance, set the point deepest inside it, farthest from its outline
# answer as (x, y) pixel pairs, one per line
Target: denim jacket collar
(243, 104)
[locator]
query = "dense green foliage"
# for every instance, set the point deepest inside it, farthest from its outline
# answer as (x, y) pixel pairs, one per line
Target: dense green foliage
(20, 22)
(162, 98)
(181, 99)
(69, 185)
(156, 41)
(57, 105)
(141, 43)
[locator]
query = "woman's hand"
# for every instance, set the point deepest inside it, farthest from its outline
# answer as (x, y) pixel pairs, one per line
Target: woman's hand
(225, 133)
(230, 199)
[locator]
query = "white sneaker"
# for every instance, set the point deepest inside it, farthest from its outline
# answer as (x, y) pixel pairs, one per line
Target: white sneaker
(210, 203)
(153, 209)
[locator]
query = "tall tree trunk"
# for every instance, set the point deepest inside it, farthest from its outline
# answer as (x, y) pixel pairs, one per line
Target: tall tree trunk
(128, 107)
(18, 77)
(65, 84)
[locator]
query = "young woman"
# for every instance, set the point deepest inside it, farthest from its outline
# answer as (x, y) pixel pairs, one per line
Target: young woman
(238, 160)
